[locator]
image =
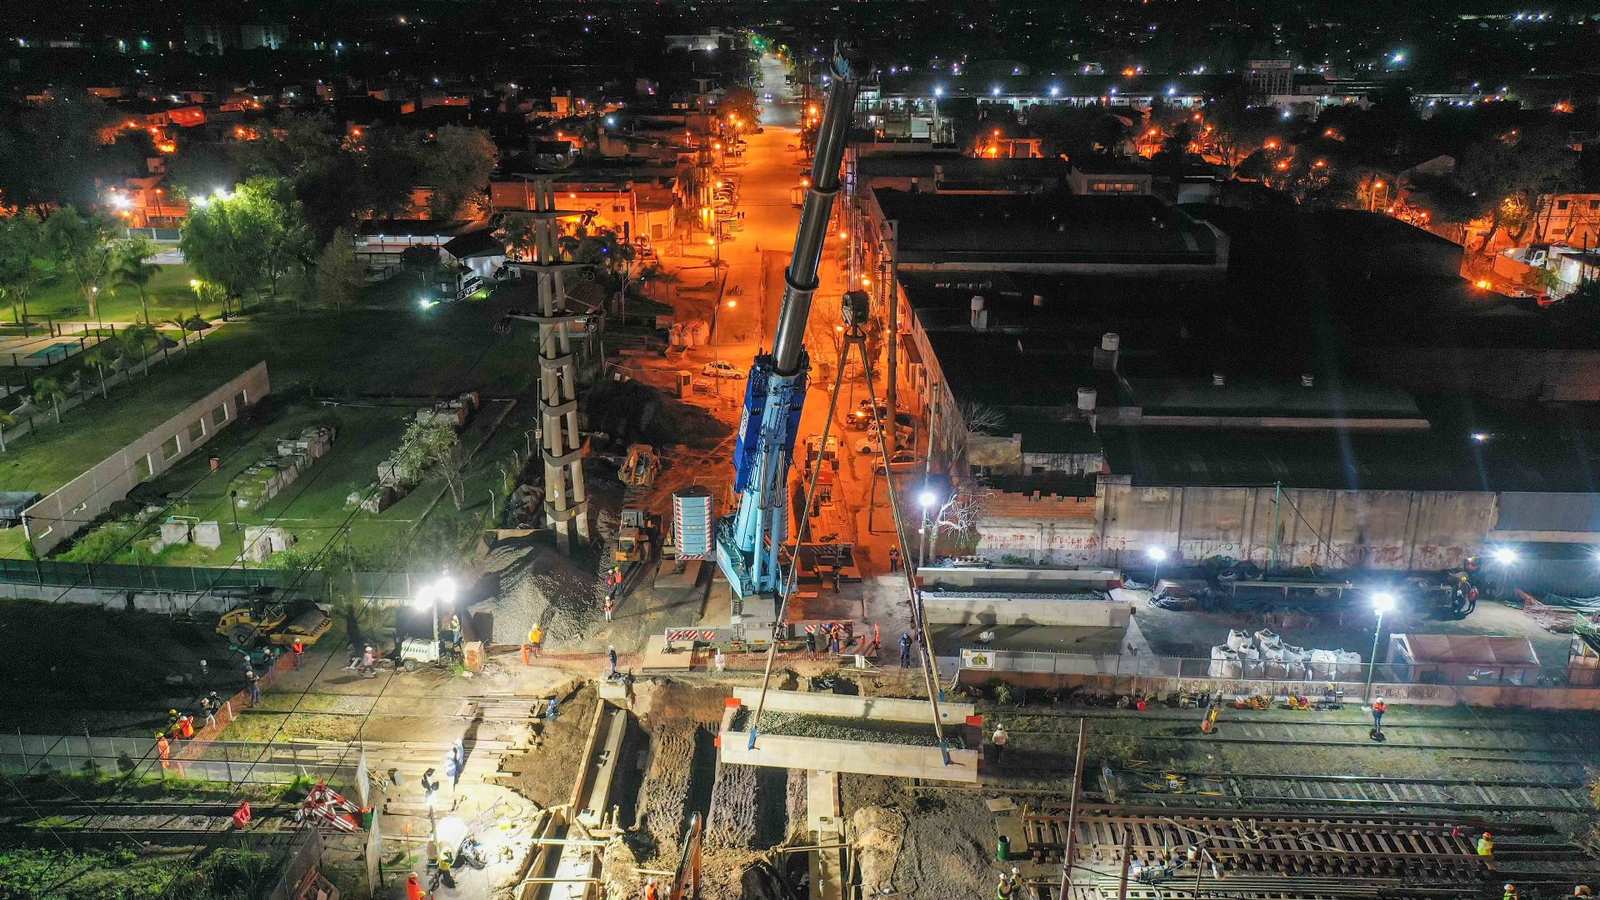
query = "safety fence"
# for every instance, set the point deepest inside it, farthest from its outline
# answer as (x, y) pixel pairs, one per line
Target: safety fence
(202, 757)
(196, 579)
(1151, 666)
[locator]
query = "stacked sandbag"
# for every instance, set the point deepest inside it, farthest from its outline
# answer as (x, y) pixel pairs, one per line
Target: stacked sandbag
(1238, 640)
(1224, 663)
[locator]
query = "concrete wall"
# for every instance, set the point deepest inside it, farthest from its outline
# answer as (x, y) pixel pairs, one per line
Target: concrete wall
(1021, 609)
(60, 514)
(1339, 529)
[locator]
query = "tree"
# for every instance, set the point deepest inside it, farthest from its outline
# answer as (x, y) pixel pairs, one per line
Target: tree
(129, 269)
(244, 240)
(57, 152)
(138, 342)
(392, 164)
(98, 357)
(183, 329)
(47, 389)
(740, 101)
(6, 421)
(21, 240)
(457, 166)
(431, 446)
(1510, 175)
(82, 246)
(339, 274)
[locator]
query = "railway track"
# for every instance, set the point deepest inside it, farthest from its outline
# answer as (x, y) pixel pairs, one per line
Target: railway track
(1454, 794)
(1281, 855)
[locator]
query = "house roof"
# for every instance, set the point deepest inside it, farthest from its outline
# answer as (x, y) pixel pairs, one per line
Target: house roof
(475, 244)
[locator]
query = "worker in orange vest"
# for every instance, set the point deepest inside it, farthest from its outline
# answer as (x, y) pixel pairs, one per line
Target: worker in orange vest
(186, 726)
(414, 888)
(164, 750)
(299, 649)
(241, 816)
(651, 891)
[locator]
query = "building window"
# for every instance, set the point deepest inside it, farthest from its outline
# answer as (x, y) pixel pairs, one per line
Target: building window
(170, 449)
(240, 401)
(146, 468)
(1562, 204)
(1594, 204)
(197, 431)
(219, 416)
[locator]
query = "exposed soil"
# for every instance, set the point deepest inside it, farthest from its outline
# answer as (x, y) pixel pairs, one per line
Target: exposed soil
(545, 774)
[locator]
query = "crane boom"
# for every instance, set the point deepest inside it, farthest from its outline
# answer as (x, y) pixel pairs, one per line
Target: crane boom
(748, 540)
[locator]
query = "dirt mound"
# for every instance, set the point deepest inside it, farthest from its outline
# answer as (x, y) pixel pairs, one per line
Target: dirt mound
(545, 773)
(538, 584)
(946, 850)
(878, 832)
(634, 412)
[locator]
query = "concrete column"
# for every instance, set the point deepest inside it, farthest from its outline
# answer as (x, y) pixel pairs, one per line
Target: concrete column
(566, 502)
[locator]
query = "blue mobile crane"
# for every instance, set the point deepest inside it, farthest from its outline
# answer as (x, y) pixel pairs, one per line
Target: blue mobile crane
(748, 541)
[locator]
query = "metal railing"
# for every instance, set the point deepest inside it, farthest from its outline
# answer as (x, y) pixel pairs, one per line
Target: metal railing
(1146, 665)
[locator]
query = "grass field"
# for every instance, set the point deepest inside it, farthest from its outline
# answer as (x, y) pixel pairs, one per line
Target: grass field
(168, 295)
(358, 354)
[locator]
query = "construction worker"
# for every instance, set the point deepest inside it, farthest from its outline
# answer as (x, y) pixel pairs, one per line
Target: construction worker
(369, 659)
(1510, 892)
(651, 890)
(253, 683)
(811, 643)
(905, 649)
(299, 649)
(186, 726)
(877, 640)
(552, 709)
(611, 654)
(172, 721)
(455, 629)
(719, 661)
(208, 711)
(414, 888)
(1582, 890)
(609, 608)
(536, 638)
(242, 816)
(999, 740)
(164, 750)
(1378, 709)
(1486, 847)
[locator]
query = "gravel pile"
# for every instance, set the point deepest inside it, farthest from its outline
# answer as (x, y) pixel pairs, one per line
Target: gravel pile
(732, 823)
(538, 584)
(664, 794)
(797, 725)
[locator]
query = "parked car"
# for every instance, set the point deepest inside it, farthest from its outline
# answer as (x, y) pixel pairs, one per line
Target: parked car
(721, 368)
(902, 461)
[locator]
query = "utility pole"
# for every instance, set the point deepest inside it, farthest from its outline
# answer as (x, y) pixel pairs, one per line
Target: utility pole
(1072, 816)
(886, 289)
(1277, 504)
(566, 505)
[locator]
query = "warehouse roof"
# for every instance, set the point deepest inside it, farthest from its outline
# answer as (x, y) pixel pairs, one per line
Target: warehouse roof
(1004, 370)
(1053, 227)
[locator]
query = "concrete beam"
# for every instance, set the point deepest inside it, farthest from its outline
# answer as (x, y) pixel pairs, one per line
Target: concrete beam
(862, 757)
(842, 706)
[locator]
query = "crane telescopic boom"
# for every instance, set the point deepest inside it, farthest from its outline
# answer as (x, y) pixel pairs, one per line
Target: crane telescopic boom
(748, 540)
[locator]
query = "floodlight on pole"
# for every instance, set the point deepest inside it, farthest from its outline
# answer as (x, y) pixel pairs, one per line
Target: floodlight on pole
(927, 499)
(1505, 556)
(1382, 602)
(1157, 556)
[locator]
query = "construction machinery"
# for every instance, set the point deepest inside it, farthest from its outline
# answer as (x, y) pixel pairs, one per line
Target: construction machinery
(637, 536)
(749, 541)
(640, 467)
(274, 622)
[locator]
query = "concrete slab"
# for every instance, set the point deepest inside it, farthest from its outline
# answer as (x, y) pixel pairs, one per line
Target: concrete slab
(862, 757)
(679, 577)
(872, 709)
(208, 535)
(822, 803)
(655, 657)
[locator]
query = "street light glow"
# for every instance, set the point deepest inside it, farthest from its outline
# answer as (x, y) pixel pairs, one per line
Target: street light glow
(1156, 554)
(1382, 602)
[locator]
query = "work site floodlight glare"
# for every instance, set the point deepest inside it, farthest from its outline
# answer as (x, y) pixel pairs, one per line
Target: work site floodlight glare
(1382, 602)
(1505, 556)
(927, 499)
(439, 592)
(452, 831)
(1156, 554)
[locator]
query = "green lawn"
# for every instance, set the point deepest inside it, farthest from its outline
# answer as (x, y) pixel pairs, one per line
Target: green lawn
(168, 295)
(364, 355)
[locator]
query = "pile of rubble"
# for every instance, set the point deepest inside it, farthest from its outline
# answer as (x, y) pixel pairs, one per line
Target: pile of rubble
(664, 793)
(536, 584)
(1265, 655)
(798, 725)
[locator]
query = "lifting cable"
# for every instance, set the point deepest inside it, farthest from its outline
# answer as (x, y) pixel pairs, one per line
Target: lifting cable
(918, 621)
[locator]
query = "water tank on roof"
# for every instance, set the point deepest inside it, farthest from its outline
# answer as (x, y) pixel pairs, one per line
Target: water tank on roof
(1110, 342)
(1088, 398)
(1219, 380)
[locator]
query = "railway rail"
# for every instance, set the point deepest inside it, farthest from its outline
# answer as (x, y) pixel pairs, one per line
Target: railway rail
(1281, 855)
(1455, 794)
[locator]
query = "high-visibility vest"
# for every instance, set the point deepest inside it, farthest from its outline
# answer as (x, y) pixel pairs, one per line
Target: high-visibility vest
(1485, 846)
(164, 748)
(535, 635)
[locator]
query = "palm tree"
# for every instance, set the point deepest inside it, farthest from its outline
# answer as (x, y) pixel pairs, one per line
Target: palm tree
(137, 342)
(48, 388)
(129, 269)
(183, 329)
(6, 421)
(98, 356)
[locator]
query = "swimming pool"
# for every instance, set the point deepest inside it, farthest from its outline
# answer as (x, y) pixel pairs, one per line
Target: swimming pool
(62, 350)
